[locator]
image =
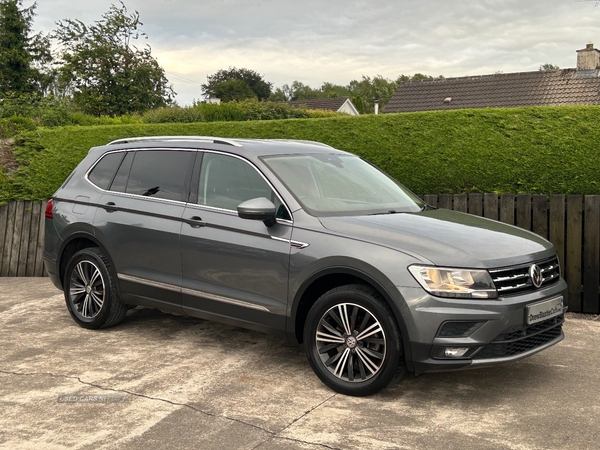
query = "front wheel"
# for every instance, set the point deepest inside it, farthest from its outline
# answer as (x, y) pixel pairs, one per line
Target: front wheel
(352, 340)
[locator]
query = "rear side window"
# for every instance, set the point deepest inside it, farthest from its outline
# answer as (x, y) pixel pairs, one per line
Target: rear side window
(160, 174)
(103, 172)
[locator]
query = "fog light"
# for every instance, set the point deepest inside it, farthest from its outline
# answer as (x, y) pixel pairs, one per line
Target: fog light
(455, 352)
(452, 352)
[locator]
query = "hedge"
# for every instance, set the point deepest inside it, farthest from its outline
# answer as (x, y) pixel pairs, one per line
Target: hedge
(521, 150)
(232, 112)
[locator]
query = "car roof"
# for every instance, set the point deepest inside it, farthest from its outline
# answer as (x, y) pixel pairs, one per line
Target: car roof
(238, 146)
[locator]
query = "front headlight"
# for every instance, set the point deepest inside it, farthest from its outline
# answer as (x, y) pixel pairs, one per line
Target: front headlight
(455, 283)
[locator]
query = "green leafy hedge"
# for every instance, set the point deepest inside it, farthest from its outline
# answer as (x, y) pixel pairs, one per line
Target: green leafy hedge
(232, 112)
(522, 150)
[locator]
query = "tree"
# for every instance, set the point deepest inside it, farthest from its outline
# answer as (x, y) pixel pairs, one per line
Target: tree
(301, 91)
(417, 77)
(371, 89)
(281, 94)
(546, 67)
(21, 53)
(231, 90)
(105, 71)
(335, 90)
(254, 80)
(297, 91)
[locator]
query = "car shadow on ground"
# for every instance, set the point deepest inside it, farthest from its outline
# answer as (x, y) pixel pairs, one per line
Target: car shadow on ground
(482, 387)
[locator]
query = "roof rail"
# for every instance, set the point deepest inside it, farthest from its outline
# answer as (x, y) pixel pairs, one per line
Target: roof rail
(214, 140)
(304, 141)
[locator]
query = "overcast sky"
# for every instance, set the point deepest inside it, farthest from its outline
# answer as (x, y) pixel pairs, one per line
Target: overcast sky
(341, 40)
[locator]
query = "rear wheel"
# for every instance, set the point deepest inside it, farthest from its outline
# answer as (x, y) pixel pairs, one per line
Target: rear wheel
(90, 290)
(352, 340)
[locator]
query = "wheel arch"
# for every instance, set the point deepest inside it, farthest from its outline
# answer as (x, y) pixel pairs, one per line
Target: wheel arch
(328, 278)
(74, 243)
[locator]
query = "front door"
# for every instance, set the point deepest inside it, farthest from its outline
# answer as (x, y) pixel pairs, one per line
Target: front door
(233, 268)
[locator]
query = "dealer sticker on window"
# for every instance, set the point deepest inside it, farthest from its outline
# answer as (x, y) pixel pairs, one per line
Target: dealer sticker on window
(538, 312)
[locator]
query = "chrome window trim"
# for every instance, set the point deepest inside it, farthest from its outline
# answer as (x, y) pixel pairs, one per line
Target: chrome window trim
(126, 194)
(230, 212)
(214, 208)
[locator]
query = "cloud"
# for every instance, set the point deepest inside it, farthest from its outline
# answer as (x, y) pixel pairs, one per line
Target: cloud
(340, 40)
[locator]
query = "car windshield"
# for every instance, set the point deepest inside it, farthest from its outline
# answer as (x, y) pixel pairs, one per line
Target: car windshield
(337, 185)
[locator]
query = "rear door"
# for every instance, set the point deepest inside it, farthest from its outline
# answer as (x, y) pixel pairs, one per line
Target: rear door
(139, 221)
(234, 268)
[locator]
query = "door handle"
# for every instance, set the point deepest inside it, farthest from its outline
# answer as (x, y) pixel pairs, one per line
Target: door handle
(110, 207)
(195, 222)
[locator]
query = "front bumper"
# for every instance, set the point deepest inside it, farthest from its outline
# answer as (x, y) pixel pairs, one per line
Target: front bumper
(499, 333)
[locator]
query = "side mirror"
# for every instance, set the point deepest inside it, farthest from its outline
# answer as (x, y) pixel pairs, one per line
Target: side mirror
(258, 209)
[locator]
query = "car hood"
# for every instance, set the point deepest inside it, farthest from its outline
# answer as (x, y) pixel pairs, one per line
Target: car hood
(446, 238)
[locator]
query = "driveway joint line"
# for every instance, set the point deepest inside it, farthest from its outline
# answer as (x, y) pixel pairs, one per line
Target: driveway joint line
(136, 394)
(273, 434)
(305, 413)
(273, 437)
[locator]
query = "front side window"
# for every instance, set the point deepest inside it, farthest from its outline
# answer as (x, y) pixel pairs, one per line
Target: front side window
(333, 184)
(225, 182)
(159, 173)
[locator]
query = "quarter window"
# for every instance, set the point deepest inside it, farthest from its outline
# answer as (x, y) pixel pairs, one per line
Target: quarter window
(160, 174)
(102, 174)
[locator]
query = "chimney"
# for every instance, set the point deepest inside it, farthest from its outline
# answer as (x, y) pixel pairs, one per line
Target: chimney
(588, 58)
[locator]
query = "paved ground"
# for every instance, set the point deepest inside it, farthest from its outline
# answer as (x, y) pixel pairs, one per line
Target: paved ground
(175, 382)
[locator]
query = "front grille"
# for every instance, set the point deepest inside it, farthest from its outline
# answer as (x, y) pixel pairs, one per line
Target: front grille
(516, 280)
(519, 340)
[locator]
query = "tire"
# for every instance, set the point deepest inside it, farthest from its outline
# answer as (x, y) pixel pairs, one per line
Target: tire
(352, 340)
(91, 291)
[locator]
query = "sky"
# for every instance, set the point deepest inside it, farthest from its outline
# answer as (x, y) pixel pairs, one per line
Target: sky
(341, 40)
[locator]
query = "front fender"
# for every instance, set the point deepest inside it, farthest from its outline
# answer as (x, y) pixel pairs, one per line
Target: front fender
(355, 268)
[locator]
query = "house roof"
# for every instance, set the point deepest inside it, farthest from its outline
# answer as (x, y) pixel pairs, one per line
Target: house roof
(332, 104)
(540, 88)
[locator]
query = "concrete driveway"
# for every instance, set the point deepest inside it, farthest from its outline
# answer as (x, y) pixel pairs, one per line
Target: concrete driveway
(160, 381)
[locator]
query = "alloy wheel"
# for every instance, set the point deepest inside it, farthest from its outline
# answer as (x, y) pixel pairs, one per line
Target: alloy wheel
(351, 342)
(86, 290)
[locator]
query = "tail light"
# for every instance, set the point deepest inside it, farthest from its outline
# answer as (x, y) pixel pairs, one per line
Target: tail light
(48, 213)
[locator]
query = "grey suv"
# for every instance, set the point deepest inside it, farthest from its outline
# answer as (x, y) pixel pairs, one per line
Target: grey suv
(303, 240)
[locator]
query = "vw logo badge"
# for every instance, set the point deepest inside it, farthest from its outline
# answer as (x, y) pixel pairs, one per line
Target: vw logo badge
(535, 273)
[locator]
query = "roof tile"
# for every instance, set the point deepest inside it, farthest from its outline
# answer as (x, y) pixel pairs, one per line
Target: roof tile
(558, 87)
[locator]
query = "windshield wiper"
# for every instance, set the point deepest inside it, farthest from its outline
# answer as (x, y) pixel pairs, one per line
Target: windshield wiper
(428, 207)
(391, 211)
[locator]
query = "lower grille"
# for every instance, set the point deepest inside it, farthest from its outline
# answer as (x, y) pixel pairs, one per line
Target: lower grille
(528, 338)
